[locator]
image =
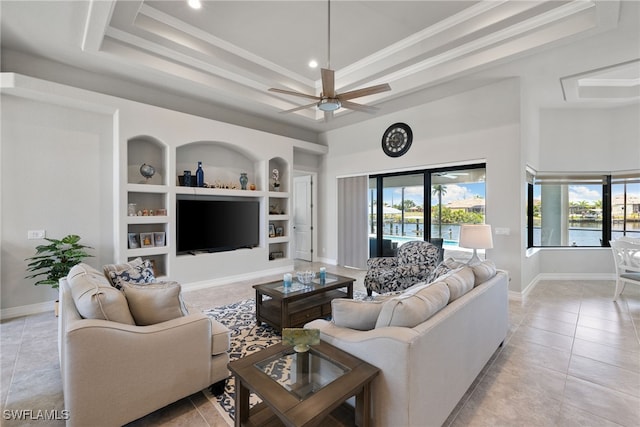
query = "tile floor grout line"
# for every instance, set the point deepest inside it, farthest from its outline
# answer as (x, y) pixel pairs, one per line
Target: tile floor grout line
(15, 363)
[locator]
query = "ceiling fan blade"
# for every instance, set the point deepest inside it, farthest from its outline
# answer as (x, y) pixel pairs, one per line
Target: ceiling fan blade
(302, 107)
(358, 107)
(364, 91)
(328, 83)
(290, 92)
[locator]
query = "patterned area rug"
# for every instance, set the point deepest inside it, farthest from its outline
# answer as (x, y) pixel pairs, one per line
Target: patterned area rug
(246, 338)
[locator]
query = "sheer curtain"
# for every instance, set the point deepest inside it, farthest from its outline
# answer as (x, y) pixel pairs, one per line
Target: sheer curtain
(353, 244)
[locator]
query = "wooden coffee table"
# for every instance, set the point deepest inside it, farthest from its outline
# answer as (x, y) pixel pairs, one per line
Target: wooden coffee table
(299, 305)
(302, 389)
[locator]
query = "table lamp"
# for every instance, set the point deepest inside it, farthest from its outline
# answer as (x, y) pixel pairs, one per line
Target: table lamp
(476, 236)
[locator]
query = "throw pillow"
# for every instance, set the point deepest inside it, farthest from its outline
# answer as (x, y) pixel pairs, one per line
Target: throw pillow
(95, 298)
(483, 271)
(117, 268)
(412, 308)
(459, 281)
(154, 303)
(354, 314)
(136, 271)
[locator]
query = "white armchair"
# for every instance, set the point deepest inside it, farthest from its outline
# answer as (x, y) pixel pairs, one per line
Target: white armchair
(114, 372)
(626, 255)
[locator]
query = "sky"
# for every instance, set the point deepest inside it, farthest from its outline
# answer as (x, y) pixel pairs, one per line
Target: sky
(592, 193)
(577, 193)
(393, 196)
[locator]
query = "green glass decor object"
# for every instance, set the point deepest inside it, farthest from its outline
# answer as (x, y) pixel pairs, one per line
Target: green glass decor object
(301, 339)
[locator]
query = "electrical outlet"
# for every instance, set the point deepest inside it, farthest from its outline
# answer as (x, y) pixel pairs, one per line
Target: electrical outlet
(36, 234)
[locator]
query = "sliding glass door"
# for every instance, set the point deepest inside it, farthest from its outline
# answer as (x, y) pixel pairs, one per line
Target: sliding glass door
(457, 197)
(452, 196)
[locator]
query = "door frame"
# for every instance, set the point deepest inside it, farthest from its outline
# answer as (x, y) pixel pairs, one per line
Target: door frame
(314, 212)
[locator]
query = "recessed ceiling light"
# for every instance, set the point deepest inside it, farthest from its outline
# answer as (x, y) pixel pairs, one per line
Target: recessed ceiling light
(313, 63)
(195, 4)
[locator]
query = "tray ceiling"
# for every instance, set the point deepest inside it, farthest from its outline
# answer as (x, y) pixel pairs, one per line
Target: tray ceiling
(229, 53)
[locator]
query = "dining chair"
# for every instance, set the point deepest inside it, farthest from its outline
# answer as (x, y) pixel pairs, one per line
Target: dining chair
(626, 256)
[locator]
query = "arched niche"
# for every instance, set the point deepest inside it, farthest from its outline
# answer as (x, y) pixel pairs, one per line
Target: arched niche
(283, 171)
(222, 162)
(145, 149)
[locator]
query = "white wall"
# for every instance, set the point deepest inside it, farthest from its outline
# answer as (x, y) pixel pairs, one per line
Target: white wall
(481, 125)
(57, 175)
(64, 170)
(592, 140)
(584, 140)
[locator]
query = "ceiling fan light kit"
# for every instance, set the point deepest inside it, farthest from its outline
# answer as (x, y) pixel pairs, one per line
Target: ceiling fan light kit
(329, 104)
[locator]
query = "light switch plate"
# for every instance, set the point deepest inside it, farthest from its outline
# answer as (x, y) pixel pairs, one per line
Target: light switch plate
(503, 231)
(36, 234)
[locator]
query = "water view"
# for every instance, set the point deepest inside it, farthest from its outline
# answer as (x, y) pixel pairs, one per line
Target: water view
(589, 234)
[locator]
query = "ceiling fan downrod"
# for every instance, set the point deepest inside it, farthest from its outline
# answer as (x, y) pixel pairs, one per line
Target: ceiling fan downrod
(329, 34)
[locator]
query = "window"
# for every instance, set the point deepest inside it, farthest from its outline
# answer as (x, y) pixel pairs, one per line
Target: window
(452, 196)
(625, 207)
(582, 211)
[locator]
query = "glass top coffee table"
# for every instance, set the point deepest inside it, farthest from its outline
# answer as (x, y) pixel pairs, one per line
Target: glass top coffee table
(302, 389)
(300, 304)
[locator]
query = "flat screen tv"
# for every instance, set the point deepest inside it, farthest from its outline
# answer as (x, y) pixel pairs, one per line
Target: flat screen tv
(216, 225)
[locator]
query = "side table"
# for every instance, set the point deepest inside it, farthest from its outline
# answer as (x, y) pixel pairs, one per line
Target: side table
(302, 389)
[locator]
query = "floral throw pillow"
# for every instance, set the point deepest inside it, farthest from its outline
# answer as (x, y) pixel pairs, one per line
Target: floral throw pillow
(137, 274)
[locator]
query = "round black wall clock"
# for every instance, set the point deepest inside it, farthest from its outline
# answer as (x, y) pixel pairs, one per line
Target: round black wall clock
(396, 140)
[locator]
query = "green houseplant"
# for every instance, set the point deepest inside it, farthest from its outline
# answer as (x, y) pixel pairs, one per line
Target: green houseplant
(56, 259)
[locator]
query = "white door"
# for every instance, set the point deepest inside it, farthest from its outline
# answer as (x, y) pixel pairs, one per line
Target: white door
(302, 217)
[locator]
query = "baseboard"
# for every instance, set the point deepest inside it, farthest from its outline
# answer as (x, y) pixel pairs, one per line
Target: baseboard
(559, 276)
(210, 283)
(575, 276)
(26, 310)
(328, 261)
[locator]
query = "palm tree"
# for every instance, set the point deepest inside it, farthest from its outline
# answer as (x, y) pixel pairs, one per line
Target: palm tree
(440, 190)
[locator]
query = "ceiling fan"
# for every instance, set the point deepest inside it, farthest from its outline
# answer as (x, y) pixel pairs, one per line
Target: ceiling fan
(330, 100)
(450, 175)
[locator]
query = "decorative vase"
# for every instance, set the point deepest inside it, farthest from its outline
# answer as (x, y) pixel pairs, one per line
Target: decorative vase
(186, 180)
(243, 180)
(199, 176)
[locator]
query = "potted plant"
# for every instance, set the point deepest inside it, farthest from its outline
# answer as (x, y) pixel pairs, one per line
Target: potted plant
(56, 259)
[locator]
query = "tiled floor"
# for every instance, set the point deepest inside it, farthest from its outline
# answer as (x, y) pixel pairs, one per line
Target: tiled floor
(572, 358)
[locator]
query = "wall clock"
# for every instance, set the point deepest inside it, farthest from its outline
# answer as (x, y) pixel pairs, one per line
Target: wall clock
(396, 140)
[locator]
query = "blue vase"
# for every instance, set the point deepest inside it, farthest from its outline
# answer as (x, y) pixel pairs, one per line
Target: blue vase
(186, 179)
(243, 180)
(199, 176)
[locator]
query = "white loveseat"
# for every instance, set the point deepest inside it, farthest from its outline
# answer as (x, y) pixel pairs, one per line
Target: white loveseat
(115, 371)
(426, 369)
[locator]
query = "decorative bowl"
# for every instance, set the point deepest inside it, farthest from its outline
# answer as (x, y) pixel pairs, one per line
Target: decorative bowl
(301, 339)
(305, 277)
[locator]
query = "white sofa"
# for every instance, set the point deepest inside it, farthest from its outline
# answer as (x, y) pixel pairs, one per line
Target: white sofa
(114, 371)
(426, 369)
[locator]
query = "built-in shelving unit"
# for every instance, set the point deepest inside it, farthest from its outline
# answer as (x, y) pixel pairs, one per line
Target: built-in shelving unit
(278, 211)
(155, 198)
(147, 210)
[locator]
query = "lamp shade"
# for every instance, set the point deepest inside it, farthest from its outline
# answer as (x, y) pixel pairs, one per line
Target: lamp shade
(476, 236)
